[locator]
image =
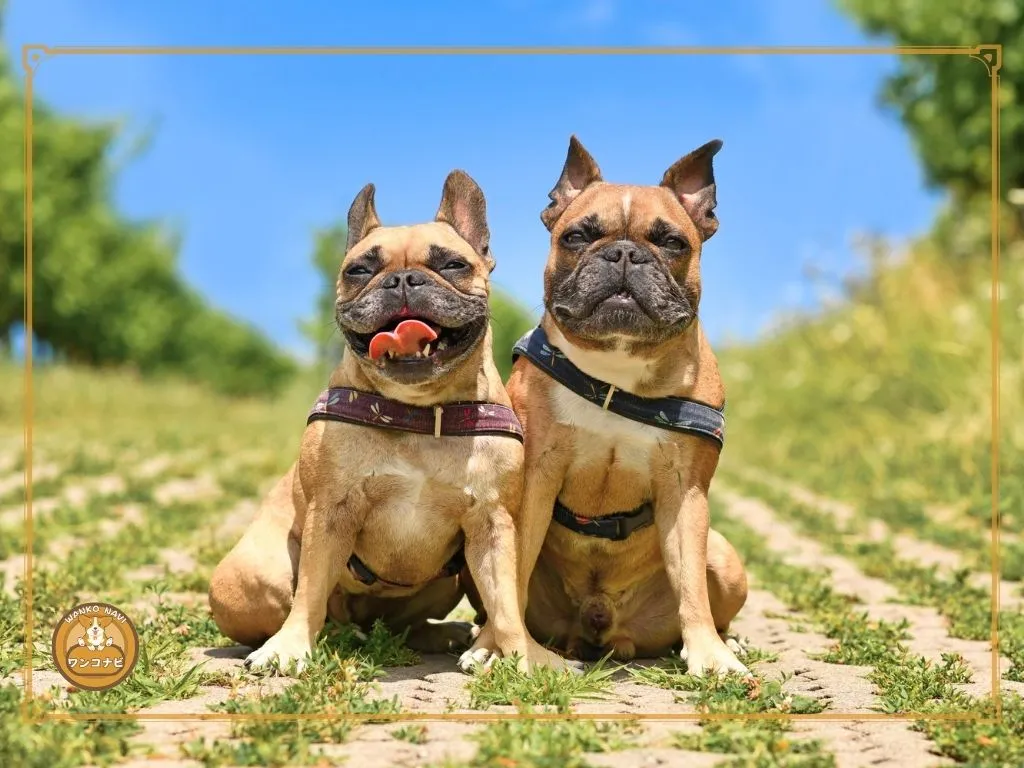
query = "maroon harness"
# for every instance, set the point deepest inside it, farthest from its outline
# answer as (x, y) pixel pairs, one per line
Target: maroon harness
(461, 419)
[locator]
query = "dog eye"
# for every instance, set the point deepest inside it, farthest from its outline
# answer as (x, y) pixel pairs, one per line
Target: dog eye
(574, 238)
(673, 243)
(454, 264)
(357, 270)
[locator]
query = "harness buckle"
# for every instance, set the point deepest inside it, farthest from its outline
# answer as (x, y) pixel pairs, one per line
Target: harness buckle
(626, 526)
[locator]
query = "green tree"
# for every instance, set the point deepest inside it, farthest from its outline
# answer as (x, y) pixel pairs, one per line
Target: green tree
(321, 329)
(509, 321)
(107, 291)
(945, 101)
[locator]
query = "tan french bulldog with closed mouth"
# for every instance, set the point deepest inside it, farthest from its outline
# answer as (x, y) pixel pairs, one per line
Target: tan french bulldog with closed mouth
(408, 484)
(621, 401)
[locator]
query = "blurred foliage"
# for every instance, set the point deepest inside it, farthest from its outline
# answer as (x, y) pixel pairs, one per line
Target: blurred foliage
(945, 101)
(886, 395)
(107, 291)
(509, 320)
(321, 329)
(883, 396)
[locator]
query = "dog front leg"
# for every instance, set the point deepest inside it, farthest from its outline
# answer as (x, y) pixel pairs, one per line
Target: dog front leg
(328, 538)
(682, 519)
(540, 493)
(492, 557)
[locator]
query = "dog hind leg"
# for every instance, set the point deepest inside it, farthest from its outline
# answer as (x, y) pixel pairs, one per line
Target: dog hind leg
(252, 587)
(727, 580)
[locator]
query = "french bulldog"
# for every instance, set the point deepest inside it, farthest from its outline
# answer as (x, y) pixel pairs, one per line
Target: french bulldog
(370, 521)
(621, 293)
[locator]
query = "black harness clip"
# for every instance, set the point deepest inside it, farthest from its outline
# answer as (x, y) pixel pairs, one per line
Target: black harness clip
(616, 527)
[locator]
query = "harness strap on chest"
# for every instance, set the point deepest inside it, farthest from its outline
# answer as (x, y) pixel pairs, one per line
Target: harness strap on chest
(615, 527)
(362, 573)
(448, 419)
(676, 414)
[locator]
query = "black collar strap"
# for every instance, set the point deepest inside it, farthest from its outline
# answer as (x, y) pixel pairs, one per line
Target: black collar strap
(361, 571)
(614, 527)
(677, 414)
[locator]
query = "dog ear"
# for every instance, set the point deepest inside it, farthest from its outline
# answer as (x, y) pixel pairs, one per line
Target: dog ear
(85, 621)
(464, 208)
(106, 621)
(578, 173)
(362, 216)
(692, 180)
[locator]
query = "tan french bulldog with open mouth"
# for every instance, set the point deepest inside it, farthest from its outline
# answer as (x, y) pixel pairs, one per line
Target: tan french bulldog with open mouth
(410, 466)
(619, 394)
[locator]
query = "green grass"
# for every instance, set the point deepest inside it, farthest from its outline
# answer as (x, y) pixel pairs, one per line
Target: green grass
(884, 399)
(967, 607)
(906, 682)
(753, 742)
(53, 744)
(881, 401)
(546, 744)
(337, 683)
(503, 683)
(414, 734)
(92, 423)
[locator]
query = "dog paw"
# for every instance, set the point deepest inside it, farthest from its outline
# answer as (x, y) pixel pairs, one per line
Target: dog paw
(713, 657)
(281, 654)
(485, 652)
(441, 637)
(478, 659)
(539, 656)
(740, 646)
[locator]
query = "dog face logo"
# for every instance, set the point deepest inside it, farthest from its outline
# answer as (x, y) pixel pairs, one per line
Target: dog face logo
(95, 632)
(95, 646)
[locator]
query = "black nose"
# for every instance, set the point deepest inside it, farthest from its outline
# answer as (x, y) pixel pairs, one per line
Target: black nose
(598, 618)
(411, 278)
(625, 249)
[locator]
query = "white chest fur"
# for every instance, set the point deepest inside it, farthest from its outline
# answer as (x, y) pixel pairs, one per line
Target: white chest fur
(403, 510)
(613, 365)
(618, 368)
(438, 481)
(604, 432)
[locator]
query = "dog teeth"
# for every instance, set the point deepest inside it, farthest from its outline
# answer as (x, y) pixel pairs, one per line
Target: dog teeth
(426, 351)
(441, 345)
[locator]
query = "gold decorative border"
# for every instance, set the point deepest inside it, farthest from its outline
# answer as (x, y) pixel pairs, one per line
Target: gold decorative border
(991, 56)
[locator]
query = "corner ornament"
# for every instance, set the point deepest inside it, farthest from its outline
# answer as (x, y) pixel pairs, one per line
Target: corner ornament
(991, 56)
(32, 56)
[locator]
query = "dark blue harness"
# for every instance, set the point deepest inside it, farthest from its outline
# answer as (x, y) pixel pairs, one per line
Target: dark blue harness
(677, 414)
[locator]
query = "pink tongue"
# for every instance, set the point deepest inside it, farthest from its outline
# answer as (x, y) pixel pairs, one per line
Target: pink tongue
(406, 339)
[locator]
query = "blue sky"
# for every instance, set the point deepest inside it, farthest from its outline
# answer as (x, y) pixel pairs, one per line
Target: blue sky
(250, 155)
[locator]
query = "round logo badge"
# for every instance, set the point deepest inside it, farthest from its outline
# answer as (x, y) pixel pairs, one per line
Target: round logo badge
(95, 646)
